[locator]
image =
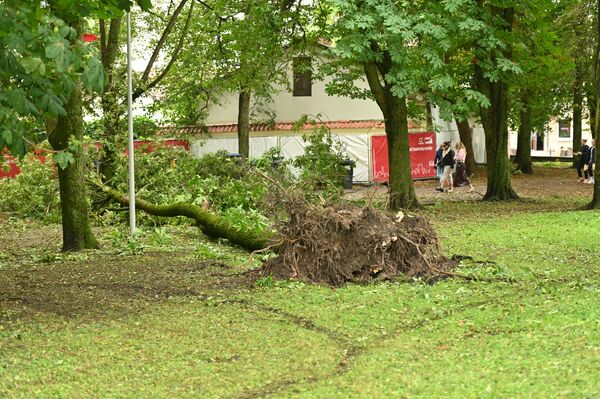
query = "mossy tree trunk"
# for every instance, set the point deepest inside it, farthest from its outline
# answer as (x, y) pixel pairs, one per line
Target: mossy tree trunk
(109, 48)
(523, 157)
(466, 137)
(595, 204)
(401, 187)
(244, 124)
(77, 232)
(591, 100)
(212, 225)
(577, 113)
(495, 125)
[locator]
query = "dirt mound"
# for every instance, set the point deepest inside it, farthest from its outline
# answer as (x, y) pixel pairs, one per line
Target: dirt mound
(338, 244)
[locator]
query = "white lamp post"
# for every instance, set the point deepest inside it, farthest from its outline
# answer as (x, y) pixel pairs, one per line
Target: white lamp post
(132, 223)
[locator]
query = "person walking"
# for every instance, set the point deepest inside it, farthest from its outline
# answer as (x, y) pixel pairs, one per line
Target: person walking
(438, 164)
(448, 163)
(592, 163)
(584, 161)
(461, 179)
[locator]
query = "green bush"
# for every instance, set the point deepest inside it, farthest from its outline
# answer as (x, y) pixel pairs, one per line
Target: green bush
(34, 193)
(167, 175)
(321, 169)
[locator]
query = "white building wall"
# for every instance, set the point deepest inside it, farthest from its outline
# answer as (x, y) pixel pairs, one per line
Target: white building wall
(448, 131)
(288, 108)
(554, 145)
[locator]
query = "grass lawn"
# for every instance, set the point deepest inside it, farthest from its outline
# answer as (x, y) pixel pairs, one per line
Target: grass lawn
(163, 317)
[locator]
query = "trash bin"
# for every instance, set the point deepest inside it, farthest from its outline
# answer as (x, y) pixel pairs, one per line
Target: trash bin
(275, 162)
(349, 165)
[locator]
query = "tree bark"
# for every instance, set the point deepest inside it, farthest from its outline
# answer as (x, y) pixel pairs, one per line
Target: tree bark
(466, 137)
(77, 232)
(523, 157)
(495, 125)
(110, 99)
(592, 104)
(244, 124)
(401, 187)
(595, 204)
(210, 224)
(577, 113)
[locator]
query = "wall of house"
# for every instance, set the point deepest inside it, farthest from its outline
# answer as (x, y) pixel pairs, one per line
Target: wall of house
(288, 108)
(553, 144)
(448, 131)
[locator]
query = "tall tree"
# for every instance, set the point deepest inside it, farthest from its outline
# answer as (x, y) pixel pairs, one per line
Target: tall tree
(575, 19)
(401, 48)
(595, 204)
(538, 93)
(170, 26)
(247, 48)
(493, 69)
(43, 66)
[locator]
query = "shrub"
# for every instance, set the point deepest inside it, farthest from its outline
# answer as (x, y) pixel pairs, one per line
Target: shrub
(321, 169)
(34, 193)
(168, 175)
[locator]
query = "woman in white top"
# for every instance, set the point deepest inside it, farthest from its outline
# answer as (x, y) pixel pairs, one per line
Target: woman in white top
(461, 178)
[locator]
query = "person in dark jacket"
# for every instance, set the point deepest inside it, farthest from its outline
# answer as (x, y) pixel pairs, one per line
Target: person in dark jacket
(584, 160)
(592, 163)
(448, 163)
(438, 162)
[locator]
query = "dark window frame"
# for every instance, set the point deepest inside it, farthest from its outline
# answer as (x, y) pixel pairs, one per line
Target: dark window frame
(302, 71)
(564, 125)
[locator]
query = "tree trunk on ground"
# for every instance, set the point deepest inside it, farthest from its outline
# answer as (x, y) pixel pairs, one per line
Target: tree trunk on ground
(495, 124)
(466, 137)
(244, 124)
(401, 187)
(210, 224)
(77, 232)
(595, 204)
(523, 157)
(109, 48)
(577, 114)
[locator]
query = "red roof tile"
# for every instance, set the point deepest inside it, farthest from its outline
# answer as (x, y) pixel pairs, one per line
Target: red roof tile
(283, 126)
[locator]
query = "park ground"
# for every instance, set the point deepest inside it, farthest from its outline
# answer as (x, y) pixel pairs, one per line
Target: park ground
(170, 315)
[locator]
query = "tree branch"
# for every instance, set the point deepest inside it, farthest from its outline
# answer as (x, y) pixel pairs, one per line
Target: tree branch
(377, 89)
(162, 40)
(139, 91)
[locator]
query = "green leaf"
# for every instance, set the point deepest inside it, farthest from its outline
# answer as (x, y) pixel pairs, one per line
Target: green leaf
(93, 76)
(145, 5)
(31, 64)
(51, 104)
(57, 49)
(7, 137)
(63, 159)
(16, 100)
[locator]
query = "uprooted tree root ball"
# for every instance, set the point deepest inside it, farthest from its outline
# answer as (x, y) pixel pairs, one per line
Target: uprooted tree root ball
(338, 244)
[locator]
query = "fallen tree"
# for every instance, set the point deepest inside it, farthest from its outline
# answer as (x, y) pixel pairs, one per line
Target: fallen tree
(323, 243)
(211, 224)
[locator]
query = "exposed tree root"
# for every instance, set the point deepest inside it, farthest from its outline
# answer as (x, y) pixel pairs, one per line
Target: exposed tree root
(338, 244)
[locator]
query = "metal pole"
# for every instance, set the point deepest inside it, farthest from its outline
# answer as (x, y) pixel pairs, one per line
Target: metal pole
(130, 129)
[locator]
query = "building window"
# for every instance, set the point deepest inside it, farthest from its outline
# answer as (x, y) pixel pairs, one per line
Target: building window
(564, 129)
(302, 77)
(538, 141)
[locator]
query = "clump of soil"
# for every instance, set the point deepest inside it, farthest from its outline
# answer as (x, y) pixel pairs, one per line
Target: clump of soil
(338, 244)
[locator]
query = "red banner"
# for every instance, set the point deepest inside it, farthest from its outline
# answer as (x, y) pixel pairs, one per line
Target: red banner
(422, 154)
